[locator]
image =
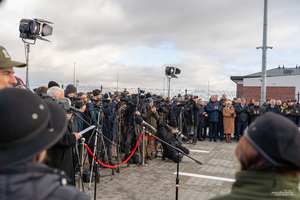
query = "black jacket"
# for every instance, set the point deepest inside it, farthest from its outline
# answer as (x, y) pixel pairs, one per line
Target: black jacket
(275, 109)
(294, 114)
(36, 181)
(242, 112)
(193, 114)
(61, 155)
(129, 114)
(254, 116)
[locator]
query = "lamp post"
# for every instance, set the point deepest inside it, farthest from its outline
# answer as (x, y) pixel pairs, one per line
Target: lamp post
(264, 54)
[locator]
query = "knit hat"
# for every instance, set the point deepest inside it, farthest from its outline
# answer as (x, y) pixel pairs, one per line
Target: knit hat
(70, 89)
(150, 100)
(52, 83)
(276, 138)
(173, 123)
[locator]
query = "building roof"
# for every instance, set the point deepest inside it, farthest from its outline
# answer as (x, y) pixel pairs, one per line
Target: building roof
(280, 71)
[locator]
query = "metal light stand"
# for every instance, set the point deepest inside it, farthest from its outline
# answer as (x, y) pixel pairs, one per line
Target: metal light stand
(27, 51)
(81, 162)
(96, 132)
(143, 146)
(179, 151)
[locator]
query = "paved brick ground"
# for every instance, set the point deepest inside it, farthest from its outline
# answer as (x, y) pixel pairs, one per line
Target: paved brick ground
(157, 179)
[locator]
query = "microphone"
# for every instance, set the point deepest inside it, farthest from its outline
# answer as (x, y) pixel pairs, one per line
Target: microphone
(75, 109)
(139, 120)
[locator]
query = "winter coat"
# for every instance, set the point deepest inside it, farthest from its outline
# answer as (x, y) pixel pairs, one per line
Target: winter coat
(257, 109)
(201, 111)
(252, 185)
(228, 119)
(213, 115)
(152, 117)
(36, 181)
(293, 115)
(275, 109)
(174, 112)
(193, 114)
(61, 155)
(242, 112)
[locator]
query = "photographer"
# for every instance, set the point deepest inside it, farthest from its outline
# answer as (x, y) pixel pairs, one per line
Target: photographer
(175, 110)
(192, 111)
(152, 117)
(61, 154)
(108, 111)
(169, 133)
(134, 109)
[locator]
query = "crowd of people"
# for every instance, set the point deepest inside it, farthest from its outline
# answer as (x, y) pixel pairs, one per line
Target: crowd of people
(55, 127)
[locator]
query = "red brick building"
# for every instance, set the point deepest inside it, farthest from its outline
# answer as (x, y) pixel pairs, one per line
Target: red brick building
(282, 83)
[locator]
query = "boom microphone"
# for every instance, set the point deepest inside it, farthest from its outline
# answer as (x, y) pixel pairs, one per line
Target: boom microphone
(139, 120)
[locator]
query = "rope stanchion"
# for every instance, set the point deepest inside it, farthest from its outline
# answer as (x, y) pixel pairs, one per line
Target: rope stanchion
(152, 138)
(116, 166)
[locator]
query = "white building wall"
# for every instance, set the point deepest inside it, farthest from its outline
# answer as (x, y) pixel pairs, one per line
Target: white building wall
(276, 81)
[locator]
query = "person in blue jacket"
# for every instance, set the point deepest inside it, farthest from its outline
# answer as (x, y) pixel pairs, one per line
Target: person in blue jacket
(213, 109)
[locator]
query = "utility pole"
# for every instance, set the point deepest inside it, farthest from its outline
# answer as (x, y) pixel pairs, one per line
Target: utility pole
(264, 54)
(208, 91)
(74, 74)
(117, 82)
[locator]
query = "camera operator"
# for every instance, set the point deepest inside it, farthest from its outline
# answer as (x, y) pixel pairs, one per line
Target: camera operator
(170, 134)
(136, 108)
(152, 117)
(61, 154)
(175, 110)
(192, 111)
(108, 119)
(163, 108)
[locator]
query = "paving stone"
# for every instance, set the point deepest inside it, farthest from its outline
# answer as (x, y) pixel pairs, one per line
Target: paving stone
(157, 180)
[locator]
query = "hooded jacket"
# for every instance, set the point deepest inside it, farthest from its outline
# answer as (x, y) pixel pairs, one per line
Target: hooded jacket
(33, 180)
(263, 186)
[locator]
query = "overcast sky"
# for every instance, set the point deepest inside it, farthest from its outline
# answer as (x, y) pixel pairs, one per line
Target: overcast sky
(209, 40)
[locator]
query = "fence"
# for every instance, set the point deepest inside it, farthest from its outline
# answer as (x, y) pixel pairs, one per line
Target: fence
(203, 94)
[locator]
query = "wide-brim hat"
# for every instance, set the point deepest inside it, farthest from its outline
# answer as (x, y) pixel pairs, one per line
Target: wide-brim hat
(276, 138)
(5, 60)
(28, 125)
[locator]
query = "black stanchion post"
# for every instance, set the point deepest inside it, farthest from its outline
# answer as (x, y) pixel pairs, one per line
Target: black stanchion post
(177, 177)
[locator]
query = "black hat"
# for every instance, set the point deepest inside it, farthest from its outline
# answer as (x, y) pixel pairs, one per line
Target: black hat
(96, 92)
(276, 138)
(52, 84)
(70, 89)
(173, 123)
(28, 125)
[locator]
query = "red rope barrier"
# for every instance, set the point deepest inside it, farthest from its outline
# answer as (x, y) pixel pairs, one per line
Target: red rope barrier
(109, 166)
(152, 138)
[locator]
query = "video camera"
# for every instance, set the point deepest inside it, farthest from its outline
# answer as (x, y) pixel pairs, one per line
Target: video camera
(65, 103)
(179, 136)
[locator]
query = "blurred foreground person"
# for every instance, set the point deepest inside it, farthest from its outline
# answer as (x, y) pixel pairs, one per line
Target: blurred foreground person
(269, 154)
(25, 137)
